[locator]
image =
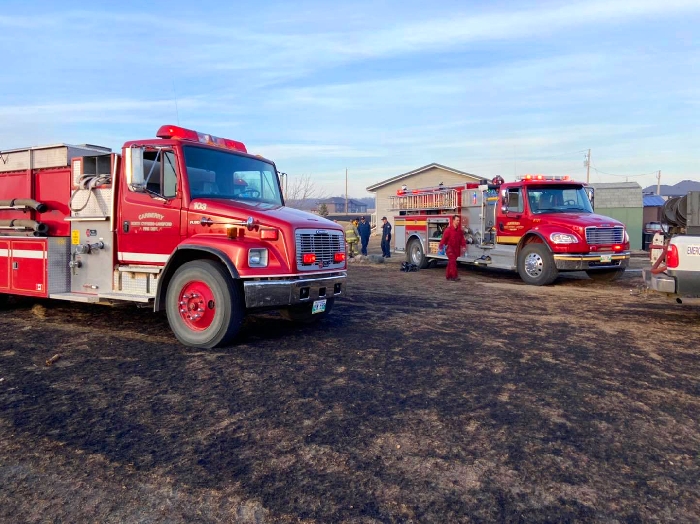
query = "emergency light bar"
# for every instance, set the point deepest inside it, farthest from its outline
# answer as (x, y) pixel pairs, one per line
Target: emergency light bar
(422, 191)
(543, 177)
(180, 133)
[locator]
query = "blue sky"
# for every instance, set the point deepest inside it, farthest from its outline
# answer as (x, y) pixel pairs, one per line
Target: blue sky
(377, 87)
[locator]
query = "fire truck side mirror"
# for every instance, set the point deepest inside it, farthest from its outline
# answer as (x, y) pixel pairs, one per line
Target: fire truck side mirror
(591, 195)
(133, 165)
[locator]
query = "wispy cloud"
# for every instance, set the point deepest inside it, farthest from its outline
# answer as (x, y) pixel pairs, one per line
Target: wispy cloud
(378, 87)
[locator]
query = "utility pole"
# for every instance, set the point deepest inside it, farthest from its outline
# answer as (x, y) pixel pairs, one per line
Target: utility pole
(658, 182)
(588, 167)
(346, 190)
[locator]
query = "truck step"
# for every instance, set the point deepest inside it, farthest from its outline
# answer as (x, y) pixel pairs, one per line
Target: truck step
(126, 297)
(75, 297)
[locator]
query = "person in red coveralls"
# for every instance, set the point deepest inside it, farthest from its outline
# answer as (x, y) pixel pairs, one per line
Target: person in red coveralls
(453, 241)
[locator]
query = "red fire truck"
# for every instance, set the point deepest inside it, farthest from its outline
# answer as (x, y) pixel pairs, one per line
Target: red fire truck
(187, 222)
(539, 225)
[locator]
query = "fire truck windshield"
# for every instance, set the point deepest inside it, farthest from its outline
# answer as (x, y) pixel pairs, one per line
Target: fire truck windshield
(228, 175)
(558, 199)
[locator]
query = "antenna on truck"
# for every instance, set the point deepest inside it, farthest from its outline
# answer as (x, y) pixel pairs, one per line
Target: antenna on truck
(177, 113)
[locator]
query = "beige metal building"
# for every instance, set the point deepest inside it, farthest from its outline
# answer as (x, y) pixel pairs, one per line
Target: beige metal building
(426, 176)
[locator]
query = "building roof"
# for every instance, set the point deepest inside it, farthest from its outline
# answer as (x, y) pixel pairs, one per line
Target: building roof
(616, 185)
(679, 189)
(376, 186)
(341, 200)
(653, 200)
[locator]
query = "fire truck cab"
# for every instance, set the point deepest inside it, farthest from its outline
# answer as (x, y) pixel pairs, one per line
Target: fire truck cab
(538, 225)
(186, 222)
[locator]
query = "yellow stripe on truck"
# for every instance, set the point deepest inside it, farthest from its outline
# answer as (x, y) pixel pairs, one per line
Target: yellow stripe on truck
(410, 223)
(507, 239)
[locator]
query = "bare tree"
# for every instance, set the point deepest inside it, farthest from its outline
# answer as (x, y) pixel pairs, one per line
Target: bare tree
(303, 192)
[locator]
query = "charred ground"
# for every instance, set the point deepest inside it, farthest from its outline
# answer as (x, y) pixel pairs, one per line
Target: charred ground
(416, 400)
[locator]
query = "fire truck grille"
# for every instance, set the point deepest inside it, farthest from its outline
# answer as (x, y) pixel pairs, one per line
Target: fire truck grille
(322, 243)
(605, 235)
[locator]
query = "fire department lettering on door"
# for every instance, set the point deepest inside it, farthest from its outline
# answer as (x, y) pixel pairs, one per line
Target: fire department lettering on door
(150, 225)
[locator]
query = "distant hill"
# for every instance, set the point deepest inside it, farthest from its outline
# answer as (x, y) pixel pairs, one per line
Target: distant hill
(370, 201)
(679, 189)
(310, 204)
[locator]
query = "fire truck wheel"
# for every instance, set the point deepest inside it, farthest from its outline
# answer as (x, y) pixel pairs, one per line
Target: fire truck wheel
(303, 313)
(605, 275)
(536, 265)
(415, 254)
(3, 299)
(204, 305)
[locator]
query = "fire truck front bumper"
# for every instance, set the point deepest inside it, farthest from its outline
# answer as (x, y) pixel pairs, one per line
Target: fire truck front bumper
(573, 262)
(288, 292)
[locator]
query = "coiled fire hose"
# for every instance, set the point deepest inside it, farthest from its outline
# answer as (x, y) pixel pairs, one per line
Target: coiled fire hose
(89, 183)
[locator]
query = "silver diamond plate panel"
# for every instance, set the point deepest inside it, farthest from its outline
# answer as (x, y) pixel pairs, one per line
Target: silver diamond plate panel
(57, 264)
(98, 206)
(134, 283)
(77, 172)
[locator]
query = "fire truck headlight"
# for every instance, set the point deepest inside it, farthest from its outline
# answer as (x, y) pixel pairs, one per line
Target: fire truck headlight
(257, 257)
(563, 238)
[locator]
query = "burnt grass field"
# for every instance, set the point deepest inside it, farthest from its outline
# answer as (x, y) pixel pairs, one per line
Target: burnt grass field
(417, 400)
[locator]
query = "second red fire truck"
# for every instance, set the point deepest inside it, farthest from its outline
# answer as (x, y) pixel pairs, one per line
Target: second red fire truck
(538, 226)
(186, 222)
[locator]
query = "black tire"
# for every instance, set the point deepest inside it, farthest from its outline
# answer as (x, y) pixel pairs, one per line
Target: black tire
(228, 305)
(416, 255)
(605, 275)
(4, 299)
(536, 265)
(302, 313)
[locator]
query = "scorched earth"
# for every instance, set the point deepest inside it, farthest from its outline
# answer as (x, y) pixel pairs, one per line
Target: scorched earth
(416, 400)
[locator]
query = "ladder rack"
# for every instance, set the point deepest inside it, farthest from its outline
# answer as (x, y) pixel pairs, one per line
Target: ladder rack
(442, 199)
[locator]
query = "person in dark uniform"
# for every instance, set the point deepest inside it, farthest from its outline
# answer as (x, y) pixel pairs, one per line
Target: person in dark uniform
(386, 238)
(364, 230)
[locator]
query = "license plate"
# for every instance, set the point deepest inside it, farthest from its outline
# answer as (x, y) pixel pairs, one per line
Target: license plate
(318, 307)
(606, 258)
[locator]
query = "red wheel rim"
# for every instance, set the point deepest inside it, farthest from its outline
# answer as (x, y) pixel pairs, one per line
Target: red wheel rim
(196, 305)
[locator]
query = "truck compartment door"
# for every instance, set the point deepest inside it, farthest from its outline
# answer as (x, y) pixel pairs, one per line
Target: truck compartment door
(400, 237)
(28, 259)
(4, 265)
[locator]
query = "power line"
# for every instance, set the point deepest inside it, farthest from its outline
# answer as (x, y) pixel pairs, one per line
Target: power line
(601, 172)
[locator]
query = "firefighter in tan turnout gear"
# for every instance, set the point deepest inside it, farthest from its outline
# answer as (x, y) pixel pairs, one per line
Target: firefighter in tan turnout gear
(352, 237)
